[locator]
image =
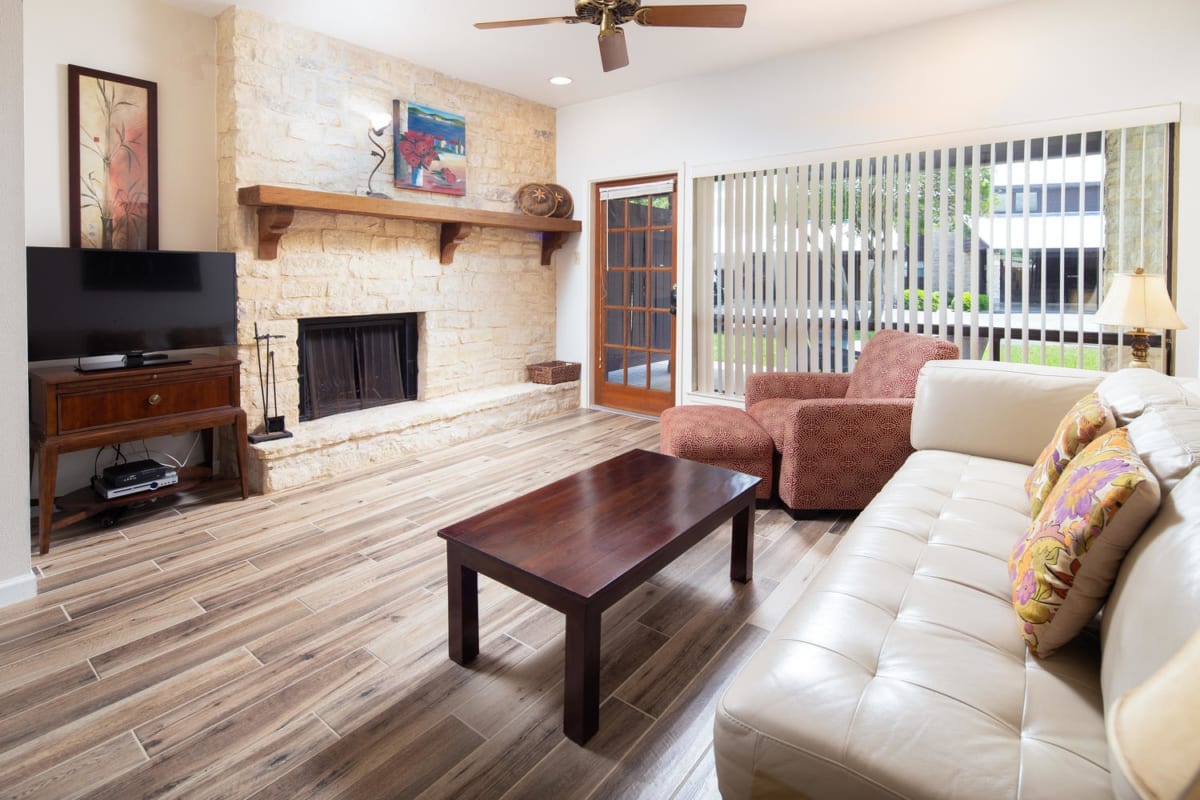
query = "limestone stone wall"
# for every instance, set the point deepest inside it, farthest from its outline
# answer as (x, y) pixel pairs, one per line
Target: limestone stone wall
(293, 109)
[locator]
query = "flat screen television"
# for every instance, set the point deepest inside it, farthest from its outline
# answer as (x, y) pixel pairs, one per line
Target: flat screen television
(128, 302)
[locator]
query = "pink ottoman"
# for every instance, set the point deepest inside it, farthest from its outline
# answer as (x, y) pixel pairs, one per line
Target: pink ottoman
(721, 436)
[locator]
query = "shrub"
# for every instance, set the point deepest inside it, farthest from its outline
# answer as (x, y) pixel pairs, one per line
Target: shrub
(935, 299)
(966, 300)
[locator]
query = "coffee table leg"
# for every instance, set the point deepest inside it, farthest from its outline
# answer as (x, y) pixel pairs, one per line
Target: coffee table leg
(581, 694)
(741, 562)
(463, 584)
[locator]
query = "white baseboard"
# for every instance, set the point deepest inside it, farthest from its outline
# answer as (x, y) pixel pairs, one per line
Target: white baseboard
(14, 590)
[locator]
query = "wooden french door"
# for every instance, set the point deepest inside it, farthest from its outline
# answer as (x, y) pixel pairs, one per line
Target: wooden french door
(634, 353)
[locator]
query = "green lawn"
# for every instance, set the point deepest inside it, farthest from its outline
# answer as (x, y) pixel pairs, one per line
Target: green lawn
(755, 349)
(1054, 358)
(759, 350)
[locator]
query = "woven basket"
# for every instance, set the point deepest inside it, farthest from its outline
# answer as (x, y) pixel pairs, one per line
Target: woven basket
(551, 372)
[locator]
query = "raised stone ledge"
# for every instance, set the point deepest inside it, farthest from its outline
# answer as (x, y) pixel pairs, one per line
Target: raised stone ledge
(342, 443)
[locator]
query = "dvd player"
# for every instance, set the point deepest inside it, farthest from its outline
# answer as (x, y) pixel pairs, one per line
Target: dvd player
(135, 472)
(109, 491)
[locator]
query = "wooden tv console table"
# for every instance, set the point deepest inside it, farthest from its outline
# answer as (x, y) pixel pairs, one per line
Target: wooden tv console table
(71, 410)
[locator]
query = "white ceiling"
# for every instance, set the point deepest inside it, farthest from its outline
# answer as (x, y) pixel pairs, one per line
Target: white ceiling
(439, 34)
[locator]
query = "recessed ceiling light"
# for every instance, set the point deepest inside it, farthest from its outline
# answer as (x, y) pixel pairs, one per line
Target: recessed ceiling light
(561, 80)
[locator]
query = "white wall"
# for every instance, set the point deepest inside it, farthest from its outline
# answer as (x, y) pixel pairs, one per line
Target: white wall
(16, 576)
(143, 39)
(1029, 61)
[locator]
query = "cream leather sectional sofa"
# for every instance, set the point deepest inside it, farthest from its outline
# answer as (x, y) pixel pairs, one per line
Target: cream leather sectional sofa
(901, 671)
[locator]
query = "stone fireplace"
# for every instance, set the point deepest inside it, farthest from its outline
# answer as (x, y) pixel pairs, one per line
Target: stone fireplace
(293, 110)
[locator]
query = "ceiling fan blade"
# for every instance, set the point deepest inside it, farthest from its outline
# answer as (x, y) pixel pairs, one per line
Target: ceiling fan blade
(520, 23)
(730, 15)
(613, 54)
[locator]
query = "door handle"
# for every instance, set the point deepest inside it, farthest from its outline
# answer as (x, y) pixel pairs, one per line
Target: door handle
(674, 299)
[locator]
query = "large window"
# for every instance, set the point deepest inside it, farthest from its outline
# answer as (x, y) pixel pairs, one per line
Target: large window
(1005, 248)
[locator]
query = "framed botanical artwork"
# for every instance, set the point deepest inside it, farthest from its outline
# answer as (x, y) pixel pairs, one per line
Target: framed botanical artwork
(112, 160)
(429, 149)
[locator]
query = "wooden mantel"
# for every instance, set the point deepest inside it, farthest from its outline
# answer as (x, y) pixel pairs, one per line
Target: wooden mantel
(277, 204)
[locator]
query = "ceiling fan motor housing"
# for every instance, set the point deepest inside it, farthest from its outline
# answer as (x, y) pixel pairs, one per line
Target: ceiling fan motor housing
(593, 10)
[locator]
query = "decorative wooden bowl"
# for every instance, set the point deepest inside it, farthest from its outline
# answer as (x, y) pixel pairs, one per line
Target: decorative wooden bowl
(536, 200)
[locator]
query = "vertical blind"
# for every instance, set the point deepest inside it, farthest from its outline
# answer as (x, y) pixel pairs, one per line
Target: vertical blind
(1003, 248)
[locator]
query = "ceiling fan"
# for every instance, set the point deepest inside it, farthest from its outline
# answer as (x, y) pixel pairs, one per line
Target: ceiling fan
(611, 14)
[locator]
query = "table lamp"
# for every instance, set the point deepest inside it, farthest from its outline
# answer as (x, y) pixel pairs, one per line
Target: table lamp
(1154, 729)
(1139, 301)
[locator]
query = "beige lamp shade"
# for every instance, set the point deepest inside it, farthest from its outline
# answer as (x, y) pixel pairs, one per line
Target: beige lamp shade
(1154, 729)
(1138, 300)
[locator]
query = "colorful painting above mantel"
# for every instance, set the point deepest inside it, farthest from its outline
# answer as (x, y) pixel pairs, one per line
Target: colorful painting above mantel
(430, 149)
(112, 160)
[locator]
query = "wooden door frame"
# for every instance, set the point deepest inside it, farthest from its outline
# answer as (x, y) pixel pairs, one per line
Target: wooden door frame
(599, 250)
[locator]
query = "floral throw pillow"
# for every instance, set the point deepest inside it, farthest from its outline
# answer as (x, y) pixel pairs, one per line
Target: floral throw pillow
(1064, 566)
(1086, 420)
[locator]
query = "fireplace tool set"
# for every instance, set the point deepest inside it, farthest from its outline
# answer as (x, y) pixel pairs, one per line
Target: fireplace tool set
(273, 427)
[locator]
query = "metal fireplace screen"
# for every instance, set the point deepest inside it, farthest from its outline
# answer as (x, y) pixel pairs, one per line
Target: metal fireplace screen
(351, 363)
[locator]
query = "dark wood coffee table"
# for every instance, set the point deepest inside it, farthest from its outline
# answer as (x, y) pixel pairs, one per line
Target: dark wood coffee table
(582, 543)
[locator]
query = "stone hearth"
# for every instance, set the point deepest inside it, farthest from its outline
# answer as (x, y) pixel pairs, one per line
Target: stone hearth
(335, 445)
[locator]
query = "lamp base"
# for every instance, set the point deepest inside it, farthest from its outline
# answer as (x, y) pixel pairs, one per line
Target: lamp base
(1140, 347)
(380, 195)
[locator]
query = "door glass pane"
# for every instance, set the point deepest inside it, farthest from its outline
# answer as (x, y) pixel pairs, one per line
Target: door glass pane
(614, 287)
(616, 213)
(637, 289)
(637, 329)
(660, 331)
(637, 212)
(662, 255)
(613, 365)
(660, 213)
(660, 372)
(616, 249)
(614, 328)
(637, 249)
(661, 296)
(637, 369)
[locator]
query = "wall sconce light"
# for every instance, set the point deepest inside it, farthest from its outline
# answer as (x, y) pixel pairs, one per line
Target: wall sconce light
(1139, 301)
(379, 123)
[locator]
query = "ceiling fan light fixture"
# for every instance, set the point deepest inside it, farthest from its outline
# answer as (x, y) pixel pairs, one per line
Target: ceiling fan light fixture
(610, 15)
(613, 54)
(608, 24)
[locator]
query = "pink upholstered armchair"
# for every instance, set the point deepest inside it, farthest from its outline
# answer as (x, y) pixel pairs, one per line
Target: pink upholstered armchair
(839, 437)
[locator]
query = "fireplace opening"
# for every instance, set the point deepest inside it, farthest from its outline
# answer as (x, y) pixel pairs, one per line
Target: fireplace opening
(352, 363)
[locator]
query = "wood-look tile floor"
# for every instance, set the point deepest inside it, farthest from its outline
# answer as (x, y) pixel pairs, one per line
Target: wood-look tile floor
(294, 645)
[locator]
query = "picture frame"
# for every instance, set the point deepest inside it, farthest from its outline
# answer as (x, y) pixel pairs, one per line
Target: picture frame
(112, 160)
(429, 149)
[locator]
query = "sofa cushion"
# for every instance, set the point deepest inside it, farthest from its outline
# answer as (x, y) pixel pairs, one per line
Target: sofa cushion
(890, 362)
(1086, 420)
(1064, 566)
(1167, 439)
(903, 649)
(1130, 391)
(1155, 602)
(994, 409)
